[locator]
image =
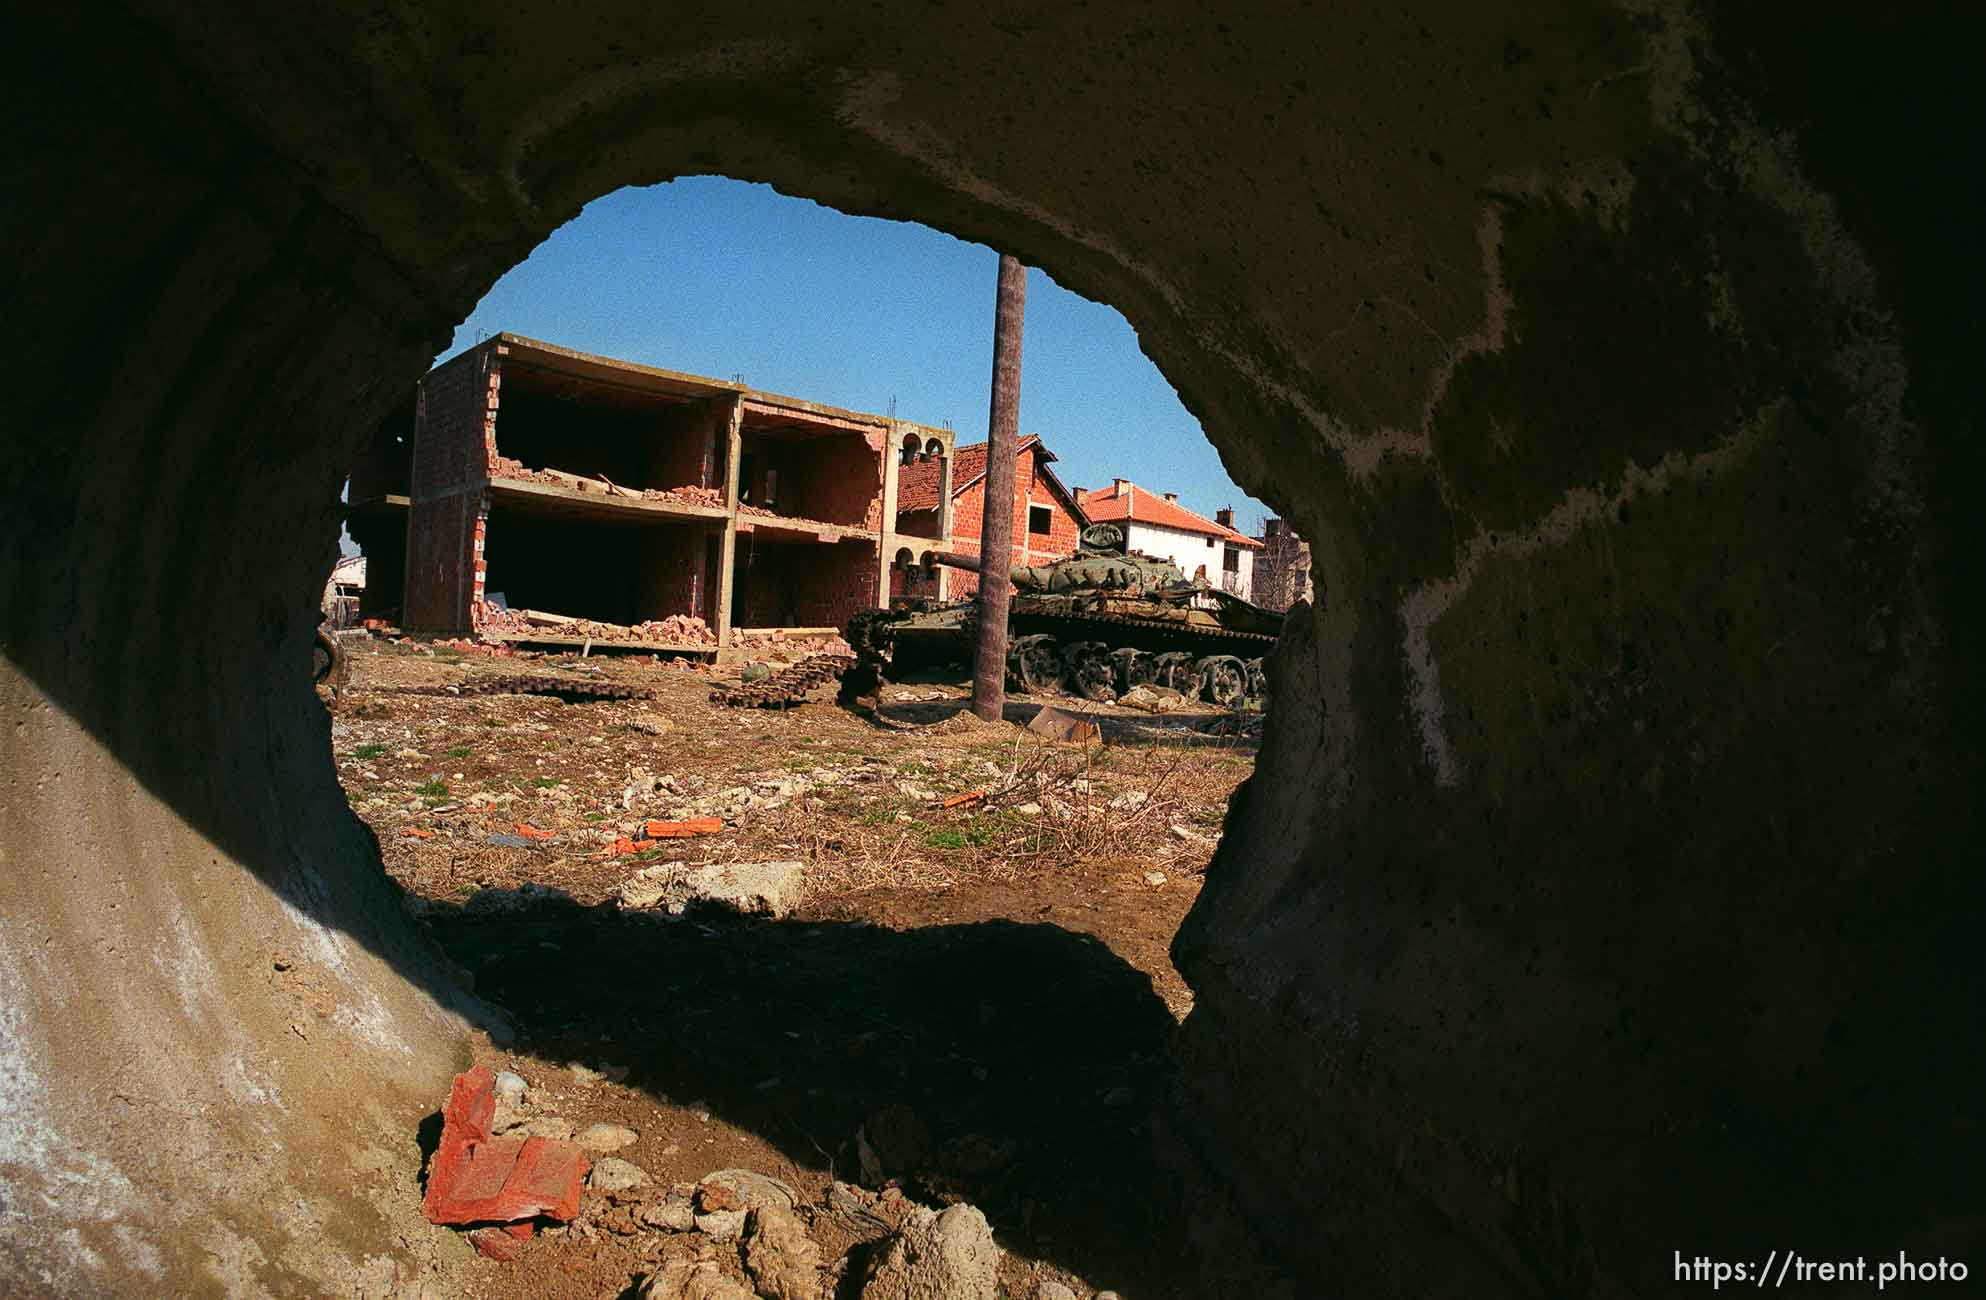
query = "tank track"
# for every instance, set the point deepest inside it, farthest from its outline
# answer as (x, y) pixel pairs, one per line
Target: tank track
(787, 687)
(564, 688)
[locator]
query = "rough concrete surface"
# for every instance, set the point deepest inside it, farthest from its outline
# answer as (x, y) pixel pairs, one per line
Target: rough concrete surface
(1611, 884)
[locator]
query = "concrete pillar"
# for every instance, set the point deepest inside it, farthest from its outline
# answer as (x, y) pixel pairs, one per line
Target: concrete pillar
(727, 552)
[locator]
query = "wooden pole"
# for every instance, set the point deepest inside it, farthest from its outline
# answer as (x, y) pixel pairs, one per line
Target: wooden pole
(996, 527)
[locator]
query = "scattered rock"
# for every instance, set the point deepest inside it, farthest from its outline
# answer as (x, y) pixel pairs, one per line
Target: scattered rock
(1191, 836)
(682, 1279)
(1155, 878)
(510, 1088)
(505, 840)
(1052, 1290)
(501, 1244)
(1029, 810)
(754, 672)
(753, 1190)
(781, 1257)
(721, 1225)
(672, 1212)
(921, 793)
(554, 1127)
(1130, 799)
(750, 888)
(650, 725)
(603, 1138)
(949, 1256)
(1153, 699)
(616, 1175)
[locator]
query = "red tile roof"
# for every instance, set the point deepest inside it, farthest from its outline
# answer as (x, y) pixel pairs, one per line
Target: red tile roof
(1133, 504)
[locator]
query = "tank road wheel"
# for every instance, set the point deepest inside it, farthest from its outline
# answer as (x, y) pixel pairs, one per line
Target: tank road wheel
(1035, 664)
(1177, 669)
(1088, 668)
(1132, 668)
(1258, 681)
(1226, 678)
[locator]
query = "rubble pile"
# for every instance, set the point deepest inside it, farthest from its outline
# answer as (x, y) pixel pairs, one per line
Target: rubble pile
(787, 687)
(771, 643)
(504, 1173)
(509, 467)
(677, 629)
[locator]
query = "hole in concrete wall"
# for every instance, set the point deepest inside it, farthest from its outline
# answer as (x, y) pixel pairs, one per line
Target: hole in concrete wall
(971, 969)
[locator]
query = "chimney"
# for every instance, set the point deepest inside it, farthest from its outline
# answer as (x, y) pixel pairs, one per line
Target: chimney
(1079, 494)
(1118, 485)
(1225, 517)
(1172, 497)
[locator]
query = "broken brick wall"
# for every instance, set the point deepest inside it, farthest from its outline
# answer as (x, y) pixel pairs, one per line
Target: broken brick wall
(675, 575)
(543, 428)
(685, 447)
(833, 478)
(802, 584)
(454, 431)
(579, 569)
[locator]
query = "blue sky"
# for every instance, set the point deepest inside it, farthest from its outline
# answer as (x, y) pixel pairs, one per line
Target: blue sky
(721, 278)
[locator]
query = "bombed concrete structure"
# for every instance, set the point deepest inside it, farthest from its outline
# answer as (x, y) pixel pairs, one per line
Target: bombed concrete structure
(1610, 885)
(672, 505)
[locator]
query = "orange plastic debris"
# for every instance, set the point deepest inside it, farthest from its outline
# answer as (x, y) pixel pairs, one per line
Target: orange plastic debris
(530, 832)
(624, 846)
(960, 800)
(683, 830)
(416, 833)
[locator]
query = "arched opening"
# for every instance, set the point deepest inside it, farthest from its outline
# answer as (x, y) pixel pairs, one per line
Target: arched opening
(1631, 441)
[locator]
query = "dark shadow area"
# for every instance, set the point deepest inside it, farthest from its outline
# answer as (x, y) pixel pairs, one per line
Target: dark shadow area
(1013, 1066)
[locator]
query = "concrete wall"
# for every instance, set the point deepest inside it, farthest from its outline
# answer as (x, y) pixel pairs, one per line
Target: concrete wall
(1610, 887)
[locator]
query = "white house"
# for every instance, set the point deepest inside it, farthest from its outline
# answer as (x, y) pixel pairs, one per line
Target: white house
(1157, 525)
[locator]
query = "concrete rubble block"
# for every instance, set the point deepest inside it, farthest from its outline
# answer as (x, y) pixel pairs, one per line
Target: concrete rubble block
(782, 1259)
(1056, 724)
(1153, 699)
(933, 1256)
(749, 888)
(673, 1213)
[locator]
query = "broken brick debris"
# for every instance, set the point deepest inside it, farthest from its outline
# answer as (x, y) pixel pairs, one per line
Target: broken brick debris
(476, 1178)
(659, 830)
(530, 832)
(962, 800)
(416, 833)
(522, 624)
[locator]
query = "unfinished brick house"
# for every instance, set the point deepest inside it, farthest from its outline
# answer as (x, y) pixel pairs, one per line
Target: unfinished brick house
(1047, 519)
(1282, 567)
(655, 509)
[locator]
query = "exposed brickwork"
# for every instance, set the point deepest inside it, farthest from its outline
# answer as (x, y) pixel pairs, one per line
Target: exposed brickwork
(454, 441)
(1033, 488)
(837, 478)
(803, 584)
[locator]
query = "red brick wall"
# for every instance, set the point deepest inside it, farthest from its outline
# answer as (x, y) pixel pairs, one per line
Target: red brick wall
(803, 584)
(836, 478)
(454, 438)
(673, 580)
(1030, 489)
(684, 451)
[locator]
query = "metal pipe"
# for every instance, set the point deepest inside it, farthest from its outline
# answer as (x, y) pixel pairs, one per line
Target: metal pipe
(996, 526)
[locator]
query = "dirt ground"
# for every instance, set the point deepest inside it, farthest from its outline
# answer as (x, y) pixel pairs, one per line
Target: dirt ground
(982, 991)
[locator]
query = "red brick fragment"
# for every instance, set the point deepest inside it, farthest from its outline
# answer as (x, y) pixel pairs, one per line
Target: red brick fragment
(476, 1178)
(658, 830)
(497, 1243)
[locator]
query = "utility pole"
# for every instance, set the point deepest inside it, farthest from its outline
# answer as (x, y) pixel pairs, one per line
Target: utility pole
(996, 521)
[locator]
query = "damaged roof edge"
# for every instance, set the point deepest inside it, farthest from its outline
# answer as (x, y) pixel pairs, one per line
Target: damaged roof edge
(552, 356)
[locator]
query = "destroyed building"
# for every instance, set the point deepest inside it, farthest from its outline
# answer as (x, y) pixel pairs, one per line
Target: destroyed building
(945, 501)
(622, 503)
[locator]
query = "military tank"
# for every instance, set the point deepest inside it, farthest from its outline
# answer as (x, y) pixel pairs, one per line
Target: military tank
(1096, 624)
